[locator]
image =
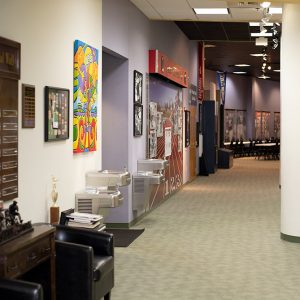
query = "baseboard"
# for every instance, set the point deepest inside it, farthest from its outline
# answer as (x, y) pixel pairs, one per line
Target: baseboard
(290, 238)
(118, 225)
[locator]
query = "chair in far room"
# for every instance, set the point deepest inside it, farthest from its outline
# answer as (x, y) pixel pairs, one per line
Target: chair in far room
(11, 289)
(84, 263)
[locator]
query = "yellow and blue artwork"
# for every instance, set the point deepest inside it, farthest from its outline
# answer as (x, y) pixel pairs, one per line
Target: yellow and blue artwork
(85, 97)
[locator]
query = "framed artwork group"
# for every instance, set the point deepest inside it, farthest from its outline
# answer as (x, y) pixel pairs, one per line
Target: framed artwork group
(137, 103)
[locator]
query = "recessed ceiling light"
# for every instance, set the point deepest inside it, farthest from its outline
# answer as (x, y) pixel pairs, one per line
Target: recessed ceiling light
(275, 10)
(261, 41)
(242, 65)
(276, 70)
(257, 24)
(264, 77)
(239, 72)
(211, 11)
(257, 54)
(261, 34)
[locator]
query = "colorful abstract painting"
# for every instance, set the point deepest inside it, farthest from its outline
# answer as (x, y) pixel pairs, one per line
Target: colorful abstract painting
(85, 97)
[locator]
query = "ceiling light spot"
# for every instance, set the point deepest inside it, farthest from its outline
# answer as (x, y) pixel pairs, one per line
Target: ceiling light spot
(257, 24)
(275, 10)
(259, 34)
(242, 65)
(211, 11)
(265, 4)
(257, 54)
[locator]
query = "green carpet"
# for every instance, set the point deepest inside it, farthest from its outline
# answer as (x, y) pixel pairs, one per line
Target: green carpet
(217, 238)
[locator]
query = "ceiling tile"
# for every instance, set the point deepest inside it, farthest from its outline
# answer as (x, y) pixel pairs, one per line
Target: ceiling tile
(146, 8)
(191, 30)
(215, 18)
(178, 16)
(207, 4)
(169, 4)
(212, 31)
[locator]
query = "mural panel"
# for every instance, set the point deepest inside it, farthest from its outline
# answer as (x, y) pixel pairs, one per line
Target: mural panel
(165, 118)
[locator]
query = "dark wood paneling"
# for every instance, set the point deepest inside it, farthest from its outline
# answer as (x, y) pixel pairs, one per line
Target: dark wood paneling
(8, 138)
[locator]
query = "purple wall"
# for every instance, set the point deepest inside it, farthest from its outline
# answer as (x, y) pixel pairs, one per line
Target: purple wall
(129, 33)
(251, 94)
(238, 92)
(114, 133)
(267, 98)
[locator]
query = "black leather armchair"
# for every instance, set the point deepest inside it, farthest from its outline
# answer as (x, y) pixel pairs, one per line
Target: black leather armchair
(84, 264)
(20, 290)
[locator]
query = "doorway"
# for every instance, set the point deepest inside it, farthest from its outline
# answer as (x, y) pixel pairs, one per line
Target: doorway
(114, 140)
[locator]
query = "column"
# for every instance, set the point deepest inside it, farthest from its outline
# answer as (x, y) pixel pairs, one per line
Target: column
(290, 123)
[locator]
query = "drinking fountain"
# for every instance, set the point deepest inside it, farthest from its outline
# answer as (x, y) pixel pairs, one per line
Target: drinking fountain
(150, 172)
(102, 190)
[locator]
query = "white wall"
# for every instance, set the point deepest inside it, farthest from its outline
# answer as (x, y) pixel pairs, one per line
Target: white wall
(46, 31)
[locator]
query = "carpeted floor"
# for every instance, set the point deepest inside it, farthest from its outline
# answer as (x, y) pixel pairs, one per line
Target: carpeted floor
(218, 238)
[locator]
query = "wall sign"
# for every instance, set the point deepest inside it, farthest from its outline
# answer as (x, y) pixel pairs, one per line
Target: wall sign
(162, 65)
(200, 72)
(187, 128)
(9, 58)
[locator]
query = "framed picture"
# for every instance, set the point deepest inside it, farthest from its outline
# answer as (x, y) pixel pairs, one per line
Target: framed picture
(152, 144)
(138, 87)
(56, 114)
(187, 128)
(168, 141)
(85, 98)
(152, 115)
(179, 139)
(138, 120)
(160, 127)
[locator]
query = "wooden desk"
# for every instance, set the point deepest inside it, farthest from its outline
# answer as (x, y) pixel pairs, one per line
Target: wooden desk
(27, 252)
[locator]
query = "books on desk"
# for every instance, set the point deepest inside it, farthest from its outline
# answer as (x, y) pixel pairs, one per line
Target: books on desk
(84, 220)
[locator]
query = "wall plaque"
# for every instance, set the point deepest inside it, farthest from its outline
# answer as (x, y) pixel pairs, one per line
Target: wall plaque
(9, 75)
(10, 60)
(28, 106)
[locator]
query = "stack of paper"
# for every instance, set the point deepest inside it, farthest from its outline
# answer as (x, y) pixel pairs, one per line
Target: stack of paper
(85, 220)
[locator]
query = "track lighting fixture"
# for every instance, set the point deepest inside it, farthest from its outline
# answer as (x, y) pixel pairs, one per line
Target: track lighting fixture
(265, 4)
(262, 28)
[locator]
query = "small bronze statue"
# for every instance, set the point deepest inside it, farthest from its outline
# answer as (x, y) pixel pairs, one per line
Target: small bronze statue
(14, 213)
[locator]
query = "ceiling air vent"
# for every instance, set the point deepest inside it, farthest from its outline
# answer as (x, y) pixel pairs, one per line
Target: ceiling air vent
(243, 4)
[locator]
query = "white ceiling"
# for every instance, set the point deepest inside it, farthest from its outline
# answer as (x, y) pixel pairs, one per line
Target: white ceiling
(182, 10)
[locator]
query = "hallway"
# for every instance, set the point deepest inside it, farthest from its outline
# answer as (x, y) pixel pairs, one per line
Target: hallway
(218, 238)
